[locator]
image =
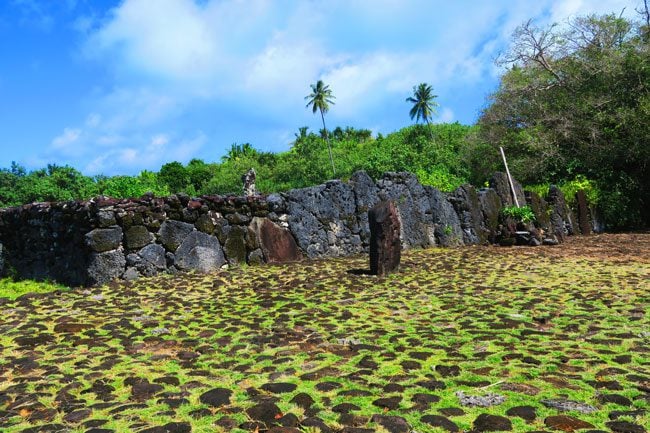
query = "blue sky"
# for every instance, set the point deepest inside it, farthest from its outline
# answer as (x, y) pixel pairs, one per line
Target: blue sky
(116, 87)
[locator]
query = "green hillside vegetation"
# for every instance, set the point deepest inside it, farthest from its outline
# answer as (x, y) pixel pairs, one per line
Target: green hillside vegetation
(571, 109)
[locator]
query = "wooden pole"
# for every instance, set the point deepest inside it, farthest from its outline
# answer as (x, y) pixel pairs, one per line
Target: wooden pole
(512, 186)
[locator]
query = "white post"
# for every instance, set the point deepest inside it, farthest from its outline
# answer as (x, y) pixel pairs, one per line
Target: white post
(512, 186)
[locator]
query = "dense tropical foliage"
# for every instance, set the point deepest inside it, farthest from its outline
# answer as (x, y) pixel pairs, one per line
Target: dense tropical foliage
(572, 109)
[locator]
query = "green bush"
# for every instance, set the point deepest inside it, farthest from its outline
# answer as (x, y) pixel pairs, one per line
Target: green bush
(524, 214)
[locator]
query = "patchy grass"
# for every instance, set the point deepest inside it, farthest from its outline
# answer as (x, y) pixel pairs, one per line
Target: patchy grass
(519, 327)
(12, 289)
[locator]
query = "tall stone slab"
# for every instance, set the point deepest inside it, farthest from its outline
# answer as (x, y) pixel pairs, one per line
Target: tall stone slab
(584, 217)
(561, 217)
(447, 225)
(466, 203)
(277, 243)
(499, 182)
(385, 245)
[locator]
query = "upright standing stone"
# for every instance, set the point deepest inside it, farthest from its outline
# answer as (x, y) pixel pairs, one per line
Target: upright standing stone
(584, 221)
(248, 180)
(385, 245)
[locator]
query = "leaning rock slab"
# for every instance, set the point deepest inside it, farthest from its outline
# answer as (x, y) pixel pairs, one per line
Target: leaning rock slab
(277, 243)
(385, 245)
(201, 252)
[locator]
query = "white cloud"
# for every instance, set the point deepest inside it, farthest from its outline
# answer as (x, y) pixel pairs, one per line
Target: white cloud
(446, 115)
(67, 141)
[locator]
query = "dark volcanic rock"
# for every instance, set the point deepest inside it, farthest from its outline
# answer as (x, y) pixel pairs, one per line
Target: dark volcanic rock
(466, 203)
(490, 208)
(441, 422)
(172, 233)
(106, 266)
(447, 225)
(625, 427)
(266, 412)
(279, 387)
(584, 217)
(390, 403)
(525, 412)
(486, 422)
(385, 246)
(417, 228)
(101, 240)
(137, 237)
(394, 424)
(366, 196)
(540, 209)
(235, 244)
(566, 423)
(172, 427)
(561, 217)
(303, 400)
(216, 397)
(323, 219)
(499, 182)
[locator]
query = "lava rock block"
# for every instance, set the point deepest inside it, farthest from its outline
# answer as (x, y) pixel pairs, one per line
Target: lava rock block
(235, 245)
(137, 237)
(201, 252)
(385, 245)
(277, 243)
(106, 266)
(152, 260)
(102, 240)
(172, 233)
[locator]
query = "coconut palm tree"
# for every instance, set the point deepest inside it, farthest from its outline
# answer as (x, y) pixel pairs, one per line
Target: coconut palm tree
(319, 100)
(424, 104)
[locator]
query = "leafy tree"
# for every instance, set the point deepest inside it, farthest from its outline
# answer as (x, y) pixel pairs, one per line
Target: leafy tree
(319, 100)
(175, 176)
(424, 104)
(576, 102)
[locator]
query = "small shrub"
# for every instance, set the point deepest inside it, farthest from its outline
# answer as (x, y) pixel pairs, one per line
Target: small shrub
(524, 214)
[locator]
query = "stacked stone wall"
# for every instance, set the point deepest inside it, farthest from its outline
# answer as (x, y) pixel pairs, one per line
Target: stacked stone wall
(92, 242)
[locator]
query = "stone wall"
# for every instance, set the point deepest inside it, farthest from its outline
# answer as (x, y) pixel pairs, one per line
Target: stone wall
(92, 242)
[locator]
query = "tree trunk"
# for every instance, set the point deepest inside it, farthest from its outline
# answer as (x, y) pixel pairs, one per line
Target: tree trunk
(327, 138)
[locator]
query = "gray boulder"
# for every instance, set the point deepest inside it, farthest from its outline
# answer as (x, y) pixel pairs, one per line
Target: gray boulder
(106, 218)
(499, 182)
(106, 266)
(201, 252)
(447, 225)
(417, 227)
(101, 240)
(172, 233)
(152, 260)
(468, 208)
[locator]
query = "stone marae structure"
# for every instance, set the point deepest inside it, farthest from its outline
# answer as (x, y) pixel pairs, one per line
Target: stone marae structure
(92, 242)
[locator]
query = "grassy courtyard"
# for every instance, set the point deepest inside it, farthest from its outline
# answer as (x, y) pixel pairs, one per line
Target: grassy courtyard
(475, 338)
